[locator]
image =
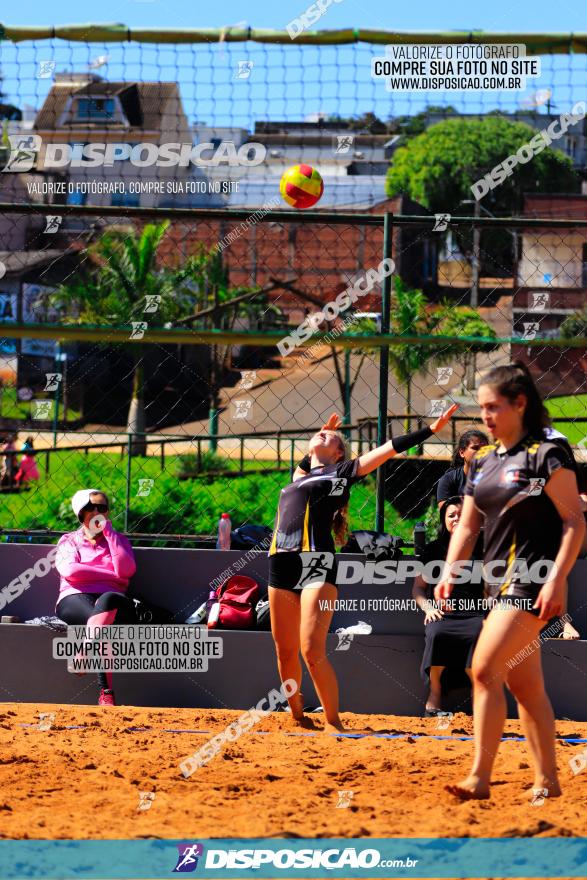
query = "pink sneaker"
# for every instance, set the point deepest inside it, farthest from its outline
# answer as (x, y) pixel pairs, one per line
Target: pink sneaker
(106, 698)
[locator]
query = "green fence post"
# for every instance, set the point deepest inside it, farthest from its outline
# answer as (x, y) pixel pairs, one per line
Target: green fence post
(347, 392)
(291, 458)
(128, 472)
(213, 429)
(242, 455)
(383, 372)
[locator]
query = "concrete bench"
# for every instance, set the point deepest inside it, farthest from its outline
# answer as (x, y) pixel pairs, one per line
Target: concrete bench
(378, 673)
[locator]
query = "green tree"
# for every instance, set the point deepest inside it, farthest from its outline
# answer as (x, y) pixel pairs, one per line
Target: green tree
(121, 286)
(409, 126)
(438, 167)
(575, 326)
(465, 322)
(344, 374)
(412, 315)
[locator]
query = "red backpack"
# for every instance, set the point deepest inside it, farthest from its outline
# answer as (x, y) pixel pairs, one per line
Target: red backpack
(238, 597)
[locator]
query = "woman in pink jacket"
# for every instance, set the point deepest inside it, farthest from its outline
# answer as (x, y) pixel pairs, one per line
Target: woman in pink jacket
(95, 564)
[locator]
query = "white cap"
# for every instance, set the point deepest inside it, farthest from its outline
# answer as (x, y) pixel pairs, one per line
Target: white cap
(82, 497)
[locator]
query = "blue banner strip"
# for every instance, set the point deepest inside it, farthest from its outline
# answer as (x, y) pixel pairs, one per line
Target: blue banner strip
(286, 857)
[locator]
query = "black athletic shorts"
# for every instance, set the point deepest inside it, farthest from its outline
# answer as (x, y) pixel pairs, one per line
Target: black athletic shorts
(294, 571)
(522, 597)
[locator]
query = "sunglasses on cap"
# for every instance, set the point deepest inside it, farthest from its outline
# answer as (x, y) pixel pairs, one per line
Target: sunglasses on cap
(100, 508)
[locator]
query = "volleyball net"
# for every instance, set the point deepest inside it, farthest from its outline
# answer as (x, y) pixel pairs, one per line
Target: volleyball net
(174, 332)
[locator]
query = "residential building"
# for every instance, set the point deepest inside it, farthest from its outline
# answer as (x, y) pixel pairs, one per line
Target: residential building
(551, 286)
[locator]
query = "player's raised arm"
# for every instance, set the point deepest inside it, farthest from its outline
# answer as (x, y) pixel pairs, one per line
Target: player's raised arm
(370, 461)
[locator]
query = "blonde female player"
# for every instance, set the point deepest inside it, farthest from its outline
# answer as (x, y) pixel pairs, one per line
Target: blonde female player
(302, 585)
(523, 491)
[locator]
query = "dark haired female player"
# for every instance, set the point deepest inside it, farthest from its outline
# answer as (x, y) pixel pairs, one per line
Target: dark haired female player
(302, 586)
(452, 483)
(523, 491)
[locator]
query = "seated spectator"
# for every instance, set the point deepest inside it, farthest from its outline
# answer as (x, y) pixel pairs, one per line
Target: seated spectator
(450, 634)
(452, 483)
(27, 469)
(8, 467)
(95, 563)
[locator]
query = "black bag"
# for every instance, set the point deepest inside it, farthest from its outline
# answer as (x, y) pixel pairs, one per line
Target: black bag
(250, 537)
(263, 616)
(148, 613)
(377, 546)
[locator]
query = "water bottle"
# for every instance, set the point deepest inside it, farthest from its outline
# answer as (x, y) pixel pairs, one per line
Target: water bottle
(419, 538)
(214, 615)
(224, 530)
(210, 600)
(199, 616)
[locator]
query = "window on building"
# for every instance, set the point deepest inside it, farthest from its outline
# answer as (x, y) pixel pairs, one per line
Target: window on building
(76, 198)
(95, 108)
(124, 200)
(571, 146)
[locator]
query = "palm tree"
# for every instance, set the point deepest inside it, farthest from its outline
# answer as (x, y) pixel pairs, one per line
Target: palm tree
(218, 307)
(122, 286)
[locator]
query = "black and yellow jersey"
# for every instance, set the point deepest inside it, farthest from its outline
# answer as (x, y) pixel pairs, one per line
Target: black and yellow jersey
(520, 521)
(307, 507)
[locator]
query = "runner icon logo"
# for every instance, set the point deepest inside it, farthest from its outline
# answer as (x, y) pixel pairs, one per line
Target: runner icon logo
(314, 567)
(187, 860)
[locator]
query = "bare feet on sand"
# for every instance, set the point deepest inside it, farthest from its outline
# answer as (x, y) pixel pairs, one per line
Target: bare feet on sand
(470, 789)
(545, 788)
(303, 722)
(340, 728)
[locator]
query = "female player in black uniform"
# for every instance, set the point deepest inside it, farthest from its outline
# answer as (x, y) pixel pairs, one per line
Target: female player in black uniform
(523, 491)
(302, 567)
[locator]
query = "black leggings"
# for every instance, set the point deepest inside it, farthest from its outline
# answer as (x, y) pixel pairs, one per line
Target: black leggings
(78, 608)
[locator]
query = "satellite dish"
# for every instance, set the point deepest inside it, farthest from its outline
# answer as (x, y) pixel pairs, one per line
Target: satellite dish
(537, 99)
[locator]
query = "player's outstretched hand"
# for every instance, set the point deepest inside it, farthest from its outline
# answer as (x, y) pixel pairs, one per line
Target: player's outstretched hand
(332, 423)
(444, 419)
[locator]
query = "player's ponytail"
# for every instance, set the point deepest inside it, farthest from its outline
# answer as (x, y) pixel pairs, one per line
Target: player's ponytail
(516, 379)
(340, 525)
(340, 522)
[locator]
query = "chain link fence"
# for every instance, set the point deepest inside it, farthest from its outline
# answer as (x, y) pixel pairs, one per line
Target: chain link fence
(184, 376)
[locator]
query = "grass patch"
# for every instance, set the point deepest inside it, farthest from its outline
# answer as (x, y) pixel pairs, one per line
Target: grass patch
(569, 407)
(13, 408)
(160, 503)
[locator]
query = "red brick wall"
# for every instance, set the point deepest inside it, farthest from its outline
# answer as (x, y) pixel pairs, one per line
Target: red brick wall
(314, 257)
(555, 370)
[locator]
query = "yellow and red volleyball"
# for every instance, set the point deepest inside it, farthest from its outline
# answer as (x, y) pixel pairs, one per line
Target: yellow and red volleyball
(301, 186)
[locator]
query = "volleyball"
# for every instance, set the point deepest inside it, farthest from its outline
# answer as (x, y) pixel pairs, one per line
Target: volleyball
(301, 186)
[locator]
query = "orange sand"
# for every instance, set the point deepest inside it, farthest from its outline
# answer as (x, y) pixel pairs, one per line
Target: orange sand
(84, 783)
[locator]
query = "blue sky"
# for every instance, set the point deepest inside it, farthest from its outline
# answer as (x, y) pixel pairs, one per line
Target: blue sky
(286, 82)
(501, 15)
